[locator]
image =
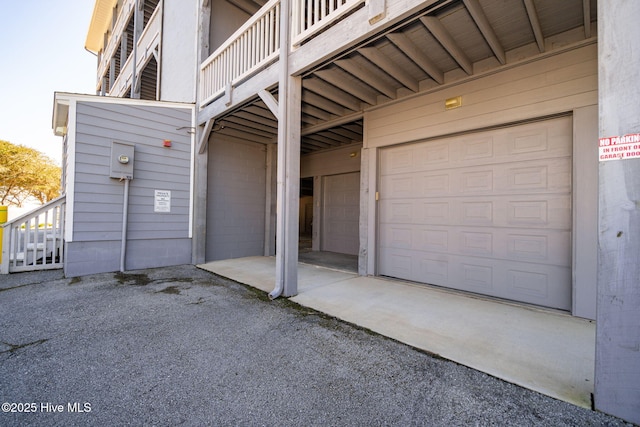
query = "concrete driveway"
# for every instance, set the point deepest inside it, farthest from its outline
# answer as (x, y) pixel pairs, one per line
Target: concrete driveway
(181, 346)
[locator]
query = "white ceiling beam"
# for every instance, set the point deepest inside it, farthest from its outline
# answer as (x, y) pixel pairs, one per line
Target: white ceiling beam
(323, 103)
(336, 137)
(230, 123)
(323, 139)
(389, 67)
(535, 23)
(258, 119)
(345, 122)
(331, 92)
(312, 111)
(258, 110)
(308, 120)
(250, 124)
(306, 141)
(242, 134)
(346, 133)
(412, 51)
(343, 80)
(367, 76)
(441, 34)
(486, 29)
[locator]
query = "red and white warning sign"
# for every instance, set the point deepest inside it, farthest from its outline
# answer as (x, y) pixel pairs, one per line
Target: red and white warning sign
(620, 147)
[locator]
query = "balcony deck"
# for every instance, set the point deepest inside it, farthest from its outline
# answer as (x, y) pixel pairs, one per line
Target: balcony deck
(363, 54)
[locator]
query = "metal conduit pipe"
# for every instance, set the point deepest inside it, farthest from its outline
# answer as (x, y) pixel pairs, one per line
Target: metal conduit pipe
(125, 212)
(281, 261)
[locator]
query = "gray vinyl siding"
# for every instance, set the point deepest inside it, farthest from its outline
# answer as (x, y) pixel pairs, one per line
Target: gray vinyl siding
(153, 239)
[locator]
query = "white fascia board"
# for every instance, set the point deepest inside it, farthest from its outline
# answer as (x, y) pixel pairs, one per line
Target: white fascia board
(123, 101)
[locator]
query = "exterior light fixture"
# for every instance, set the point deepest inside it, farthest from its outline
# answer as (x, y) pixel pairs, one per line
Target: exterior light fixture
(452, 103)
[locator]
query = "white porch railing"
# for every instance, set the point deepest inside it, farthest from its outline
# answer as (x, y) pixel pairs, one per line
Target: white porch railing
(257, 43)
(311, 16)
(34, 241)
(252, 47)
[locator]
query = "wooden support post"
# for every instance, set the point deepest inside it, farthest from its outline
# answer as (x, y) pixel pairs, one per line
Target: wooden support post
(288, 186)
(288, 172)
(201, 161)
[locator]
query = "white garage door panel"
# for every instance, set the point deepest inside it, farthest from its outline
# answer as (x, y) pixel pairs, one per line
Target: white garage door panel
(552, 212)
(487, 213)
(548, 175)
(532, 141)
(515, 280)
(504, 244)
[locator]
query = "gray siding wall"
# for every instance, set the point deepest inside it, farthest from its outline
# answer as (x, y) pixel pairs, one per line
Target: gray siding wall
(153, 239)
(236, 199)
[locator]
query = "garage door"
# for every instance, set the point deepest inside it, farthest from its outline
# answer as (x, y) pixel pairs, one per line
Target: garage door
(488, 212)
(341, 213)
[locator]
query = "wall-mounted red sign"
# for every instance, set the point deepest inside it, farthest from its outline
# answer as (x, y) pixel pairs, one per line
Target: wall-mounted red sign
(619, 147)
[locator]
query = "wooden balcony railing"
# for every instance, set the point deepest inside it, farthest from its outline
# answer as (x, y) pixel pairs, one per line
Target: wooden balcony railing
(311, 16)
(257, 43)
(253, 46)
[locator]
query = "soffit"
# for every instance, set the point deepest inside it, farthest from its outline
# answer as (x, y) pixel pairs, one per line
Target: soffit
(100, 22)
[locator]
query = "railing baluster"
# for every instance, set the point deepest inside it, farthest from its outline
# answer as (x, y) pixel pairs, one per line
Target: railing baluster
(311, 16)
(34, 237)
(242, 54)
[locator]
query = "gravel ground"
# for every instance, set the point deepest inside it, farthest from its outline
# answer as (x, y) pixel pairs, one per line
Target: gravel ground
(181, 346)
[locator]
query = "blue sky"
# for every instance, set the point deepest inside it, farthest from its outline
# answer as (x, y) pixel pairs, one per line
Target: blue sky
(41, 52)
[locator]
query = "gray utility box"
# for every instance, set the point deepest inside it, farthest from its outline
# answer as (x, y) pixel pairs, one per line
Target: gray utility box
(121, 160)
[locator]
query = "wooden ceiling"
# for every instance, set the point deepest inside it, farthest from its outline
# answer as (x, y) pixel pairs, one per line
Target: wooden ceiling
(248, 6)
(450, 42)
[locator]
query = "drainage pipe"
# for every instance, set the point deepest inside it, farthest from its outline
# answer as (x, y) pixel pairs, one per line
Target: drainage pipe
(281, 223)
(125, 212)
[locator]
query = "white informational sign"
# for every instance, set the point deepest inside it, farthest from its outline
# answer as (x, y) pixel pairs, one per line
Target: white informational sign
(162, 201)
(619, 147)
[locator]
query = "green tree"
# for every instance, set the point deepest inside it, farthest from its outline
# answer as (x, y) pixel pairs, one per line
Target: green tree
(26, 173)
